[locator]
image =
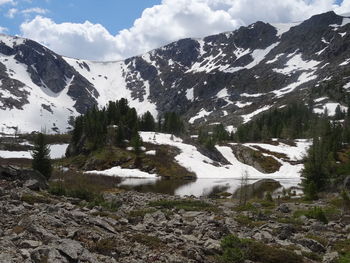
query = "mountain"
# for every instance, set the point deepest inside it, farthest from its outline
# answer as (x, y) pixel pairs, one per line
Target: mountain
(229, 77)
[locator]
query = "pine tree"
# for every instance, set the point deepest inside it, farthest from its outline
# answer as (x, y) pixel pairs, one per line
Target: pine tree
(147, 122)
(315, 172)
(136, 142)
(120, 136)
(41, 156)
(160, 124)
(78, 130)
(338, 113)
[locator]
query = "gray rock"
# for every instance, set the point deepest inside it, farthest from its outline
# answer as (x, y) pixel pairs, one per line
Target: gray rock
(313, 245)
(331, 257)
(103, 224)
(286, 232)
(347, 183)
(345, 219)
(32, 184)
(71, 248)
(212, 247)
(30, 244)
(283, 208)
(31, 178)
(48, 254)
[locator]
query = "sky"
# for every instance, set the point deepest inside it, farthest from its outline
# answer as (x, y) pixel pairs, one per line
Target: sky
(107, 30)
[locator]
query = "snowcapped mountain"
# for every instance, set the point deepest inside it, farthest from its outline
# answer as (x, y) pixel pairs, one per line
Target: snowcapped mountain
(229, 77)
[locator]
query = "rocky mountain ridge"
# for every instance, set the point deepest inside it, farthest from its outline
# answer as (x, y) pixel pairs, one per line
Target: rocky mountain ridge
(229, 77)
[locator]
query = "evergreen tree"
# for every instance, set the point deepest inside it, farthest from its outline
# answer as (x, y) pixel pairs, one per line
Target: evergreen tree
(315, 172)
(78, 130)
(136, 142)
(41, 156)
(120, 136)
(210, 143)
(147, 122)
(172, 123)
(220, 134)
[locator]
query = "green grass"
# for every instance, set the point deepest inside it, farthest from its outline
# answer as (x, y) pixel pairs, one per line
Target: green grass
(140, 213)
(312, 255)
(246, 221)
(32, 199)
(149, 241)
(105, 246)
(342, 247)
(314, 213)
(250, 207)
(344, 258)
(89, 188)
(290, 220)
(187, 205)
(236, 250)
(319, 239)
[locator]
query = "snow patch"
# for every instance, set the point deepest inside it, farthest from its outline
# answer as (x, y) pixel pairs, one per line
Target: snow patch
(248, 117)
(297, 63)
(346, 62)
(222, 93)
(190, 94)
(121, 172)
(201, 114)
(331, 107)
(303, 78)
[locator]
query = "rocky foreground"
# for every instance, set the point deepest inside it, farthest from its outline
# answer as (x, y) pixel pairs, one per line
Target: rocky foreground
(36, 226)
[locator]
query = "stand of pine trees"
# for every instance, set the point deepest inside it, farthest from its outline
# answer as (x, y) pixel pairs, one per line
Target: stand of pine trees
(294, 121)
(219, 134)
(325, 166)
(93, 126)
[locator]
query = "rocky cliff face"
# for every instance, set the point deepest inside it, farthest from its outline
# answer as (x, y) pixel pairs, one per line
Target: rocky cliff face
(229, 77)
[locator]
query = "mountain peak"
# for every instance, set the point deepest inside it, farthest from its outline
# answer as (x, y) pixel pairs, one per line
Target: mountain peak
(325, 19)
(230, 77)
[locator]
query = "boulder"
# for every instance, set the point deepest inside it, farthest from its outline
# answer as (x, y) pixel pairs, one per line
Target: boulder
(31, 179)
(283, 208)
(347, 183)
(313, 245)
(331, 257)
(259, 188)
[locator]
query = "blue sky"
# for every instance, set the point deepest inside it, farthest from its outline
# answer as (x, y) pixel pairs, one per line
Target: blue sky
(113, 14)
(106, 29)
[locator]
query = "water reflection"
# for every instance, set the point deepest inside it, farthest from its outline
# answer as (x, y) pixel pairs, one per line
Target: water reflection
(198, 187)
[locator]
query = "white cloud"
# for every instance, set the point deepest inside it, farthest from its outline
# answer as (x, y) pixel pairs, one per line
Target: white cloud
(87, 40)
(11, 12)
(35, 10)
(169, 21)
(2, 2)
(3, 30)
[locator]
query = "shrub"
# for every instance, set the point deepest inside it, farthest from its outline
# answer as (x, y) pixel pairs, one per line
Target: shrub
(232, 252)
(268, 197)
(150, 241)
(318, 214)
(345, 258)
(237, 250)
(314, 213)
